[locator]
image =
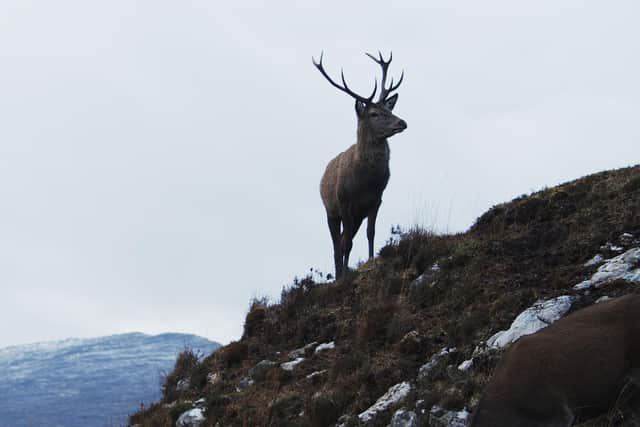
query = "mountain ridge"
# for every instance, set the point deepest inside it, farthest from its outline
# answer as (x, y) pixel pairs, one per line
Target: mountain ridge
(87, 381)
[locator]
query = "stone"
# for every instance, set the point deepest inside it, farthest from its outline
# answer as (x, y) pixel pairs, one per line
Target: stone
(302, 351)
(191, 418)
(289, 366)
(466, 365)
(316, 374)
(404, 418)
(438, 417)
(244, 383)
(621, 267)
(394, 395)
(538, 316)
(183, 385)
(213, 378)
(428, 367)
(325, 346)
(259, 371)
(410, 343)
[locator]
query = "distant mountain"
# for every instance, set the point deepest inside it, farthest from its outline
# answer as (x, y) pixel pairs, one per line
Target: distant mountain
(87, 382)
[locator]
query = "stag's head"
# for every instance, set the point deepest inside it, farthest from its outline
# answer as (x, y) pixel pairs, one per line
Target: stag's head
(375, 117)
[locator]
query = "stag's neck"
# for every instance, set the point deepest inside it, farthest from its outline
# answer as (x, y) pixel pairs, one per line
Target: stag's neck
(370, 149)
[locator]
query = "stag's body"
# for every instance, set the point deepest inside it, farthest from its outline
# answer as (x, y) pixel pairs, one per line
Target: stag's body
(576, 368)
(351, 190)
(353, 182)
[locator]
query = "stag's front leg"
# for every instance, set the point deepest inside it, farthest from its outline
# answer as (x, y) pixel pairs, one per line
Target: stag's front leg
(371, 228)
(334, 229)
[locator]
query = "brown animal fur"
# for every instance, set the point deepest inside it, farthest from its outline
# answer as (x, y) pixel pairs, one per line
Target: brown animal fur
(353, 182)
(576, 368)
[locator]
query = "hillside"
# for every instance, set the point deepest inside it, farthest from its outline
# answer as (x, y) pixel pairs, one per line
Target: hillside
(394, 334)
(87, 382)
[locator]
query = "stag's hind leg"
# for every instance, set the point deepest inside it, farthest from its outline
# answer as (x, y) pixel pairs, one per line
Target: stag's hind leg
(350, 228)
(347, 240)
(371, 228)
(334, 229)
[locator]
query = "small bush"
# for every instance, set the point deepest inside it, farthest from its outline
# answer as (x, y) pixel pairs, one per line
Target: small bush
(461, 253)
(254, 322)
(463, 329)
(217, 403)
(331, 293)
(390, 286)
(153, 416)
(186, 364)
(234, 353)
(632, 185)
(399, 325)
(285, 408)
(416, 248)
(323, 410)
(373, 324)
(347, 364)
(293, 298)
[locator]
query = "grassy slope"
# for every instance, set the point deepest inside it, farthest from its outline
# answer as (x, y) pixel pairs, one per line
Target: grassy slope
(532, 247)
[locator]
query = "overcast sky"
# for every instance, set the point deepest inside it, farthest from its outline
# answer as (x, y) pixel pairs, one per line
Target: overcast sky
(160, 161)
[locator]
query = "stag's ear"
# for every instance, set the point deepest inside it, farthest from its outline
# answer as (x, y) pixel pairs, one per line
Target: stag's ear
(360, 107)
(391, 102)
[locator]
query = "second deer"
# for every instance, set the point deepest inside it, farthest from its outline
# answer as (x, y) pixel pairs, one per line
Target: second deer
(579, 367)
(352, 185)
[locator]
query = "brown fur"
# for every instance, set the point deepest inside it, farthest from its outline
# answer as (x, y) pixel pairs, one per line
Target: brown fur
(352, 185)
(575, 368)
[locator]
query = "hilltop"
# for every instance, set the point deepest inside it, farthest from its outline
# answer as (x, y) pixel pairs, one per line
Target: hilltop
(403, 338)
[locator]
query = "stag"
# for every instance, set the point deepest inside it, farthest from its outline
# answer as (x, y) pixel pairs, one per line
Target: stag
(352, 185)
(577, 368)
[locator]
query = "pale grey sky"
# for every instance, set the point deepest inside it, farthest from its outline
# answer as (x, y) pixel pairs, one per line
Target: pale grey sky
(160, 161)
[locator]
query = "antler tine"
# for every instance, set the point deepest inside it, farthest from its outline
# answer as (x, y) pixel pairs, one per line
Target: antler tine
(361, 98)
(384, 91)
(345, 87)
(375, 89)
(392, 87)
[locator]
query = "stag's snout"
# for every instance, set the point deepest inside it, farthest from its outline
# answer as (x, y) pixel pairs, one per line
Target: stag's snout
(397, 127)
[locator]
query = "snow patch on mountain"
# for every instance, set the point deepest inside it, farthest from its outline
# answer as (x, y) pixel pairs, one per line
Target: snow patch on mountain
(87, 382)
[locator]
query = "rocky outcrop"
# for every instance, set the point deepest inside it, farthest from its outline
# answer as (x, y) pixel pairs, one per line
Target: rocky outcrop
(191, 418)
(393, 396)
(404, 418)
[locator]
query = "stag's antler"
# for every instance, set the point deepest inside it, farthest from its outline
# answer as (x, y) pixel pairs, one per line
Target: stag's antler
(344, 88)
(384, 92)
